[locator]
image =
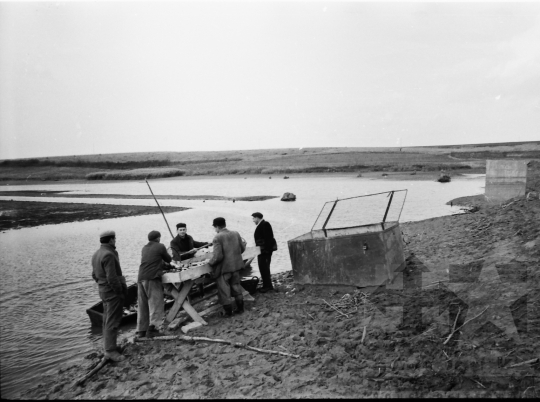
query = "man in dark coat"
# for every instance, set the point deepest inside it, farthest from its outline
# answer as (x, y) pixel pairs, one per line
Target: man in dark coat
(112, 286)
(183, 243)
(150, 289)
(264, 237)
(227, 261)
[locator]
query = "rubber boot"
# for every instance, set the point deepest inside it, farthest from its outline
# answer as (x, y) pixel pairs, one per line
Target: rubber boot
(239, 306)
(114, 356)
(152, 332)
(228, 310)
(141, 334)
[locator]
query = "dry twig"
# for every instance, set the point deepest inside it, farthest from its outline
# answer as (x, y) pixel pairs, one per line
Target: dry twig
(101, 364)
(524, 363)
(465, 323)
(203, 339)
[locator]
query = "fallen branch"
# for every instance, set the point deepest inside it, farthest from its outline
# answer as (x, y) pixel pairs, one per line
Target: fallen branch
(101, 364)
(524, 363)
(364, 335)
(203, 339)
(465, 323)
(345, 315)
(453, 327)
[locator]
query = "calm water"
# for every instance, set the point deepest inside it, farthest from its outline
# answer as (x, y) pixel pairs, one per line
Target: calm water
(46, 275)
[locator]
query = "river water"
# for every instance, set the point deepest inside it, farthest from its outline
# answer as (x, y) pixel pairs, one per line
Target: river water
(46, 281)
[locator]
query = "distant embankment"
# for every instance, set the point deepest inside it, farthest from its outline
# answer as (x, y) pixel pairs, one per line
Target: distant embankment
(138, 166)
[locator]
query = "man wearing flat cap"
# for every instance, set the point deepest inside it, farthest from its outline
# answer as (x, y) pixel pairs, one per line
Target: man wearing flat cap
(112, 286)
(264, 238)
(184, 243)
(150, 289)
(226, 262)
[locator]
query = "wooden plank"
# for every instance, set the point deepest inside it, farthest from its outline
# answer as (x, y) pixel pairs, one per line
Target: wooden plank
(193, 313)
(197, 272)
(210, 310)
(180, 297)
(192, 273)
(191, 325)
(251, 252)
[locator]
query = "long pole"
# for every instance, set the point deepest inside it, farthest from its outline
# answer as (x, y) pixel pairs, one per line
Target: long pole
(167, 223)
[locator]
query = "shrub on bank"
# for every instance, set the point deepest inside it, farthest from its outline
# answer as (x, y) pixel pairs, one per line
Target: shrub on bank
(136, 174)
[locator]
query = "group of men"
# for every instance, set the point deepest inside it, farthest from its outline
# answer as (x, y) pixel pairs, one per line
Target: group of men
(226, 262)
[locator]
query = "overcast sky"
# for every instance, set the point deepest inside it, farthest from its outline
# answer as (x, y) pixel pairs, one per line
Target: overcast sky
(102, 77)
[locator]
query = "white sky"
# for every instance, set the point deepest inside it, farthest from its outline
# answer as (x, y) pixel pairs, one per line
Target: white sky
(102, 77)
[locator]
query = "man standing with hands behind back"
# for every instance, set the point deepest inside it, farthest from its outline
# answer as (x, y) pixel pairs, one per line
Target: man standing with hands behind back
(264, 237)
(112, 286)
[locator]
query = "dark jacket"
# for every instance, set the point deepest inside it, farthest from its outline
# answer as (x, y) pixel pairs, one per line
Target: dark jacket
(264, 237)
(106, 271)
(152, 257)
(181, 245)
(228, 249)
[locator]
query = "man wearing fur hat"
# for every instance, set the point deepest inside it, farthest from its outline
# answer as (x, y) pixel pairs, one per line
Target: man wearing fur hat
(112, 286)
(184, 243)
(150, 289)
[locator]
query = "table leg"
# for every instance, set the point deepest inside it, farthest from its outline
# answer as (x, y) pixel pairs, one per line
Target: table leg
(180, 298)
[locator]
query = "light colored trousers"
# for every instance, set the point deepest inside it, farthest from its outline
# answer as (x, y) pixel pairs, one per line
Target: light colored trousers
(151, 309)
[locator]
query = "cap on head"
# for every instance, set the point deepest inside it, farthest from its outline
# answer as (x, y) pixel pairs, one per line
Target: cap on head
(219, 222)
(107, 233)
(153, 235)
(257, 215)
(180, 225)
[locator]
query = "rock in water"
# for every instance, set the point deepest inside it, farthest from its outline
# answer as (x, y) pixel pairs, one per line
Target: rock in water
(288, 197)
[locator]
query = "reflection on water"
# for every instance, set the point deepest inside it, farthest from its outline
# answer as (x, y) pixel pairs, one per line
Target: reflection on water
(46, 275)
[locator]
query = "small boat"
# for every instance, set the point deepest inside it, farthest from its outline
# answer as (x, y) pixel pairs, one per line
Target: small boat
(130, 311)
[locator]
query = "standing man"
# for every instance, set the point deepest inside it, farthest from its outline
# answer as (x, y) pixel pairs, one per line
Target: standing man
(112, 286)
(264, 237)
(184, 243)
(150, 290)
(227, 261)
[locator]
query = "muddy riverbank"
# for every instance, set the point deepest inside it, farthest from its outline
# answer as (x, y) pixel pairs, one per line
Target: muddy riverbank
(477, 273)
(20, 214)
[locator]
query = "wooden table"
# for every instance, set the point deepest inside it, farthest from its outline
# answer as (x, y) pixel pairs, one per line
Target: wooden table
(178, 284)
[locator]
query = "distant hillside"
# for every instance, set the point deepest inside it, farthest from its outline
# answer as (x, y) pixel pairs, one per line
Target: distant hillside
(127, 166)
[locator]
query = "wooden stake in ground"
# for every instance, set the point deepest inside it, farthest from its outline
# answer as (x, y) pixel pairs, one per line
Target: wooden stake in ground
(202, 339)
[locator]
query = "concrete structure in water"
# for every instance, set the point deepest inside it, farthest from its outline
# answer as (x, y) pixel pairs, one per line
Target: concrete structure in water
(364, 255)
(505, 179)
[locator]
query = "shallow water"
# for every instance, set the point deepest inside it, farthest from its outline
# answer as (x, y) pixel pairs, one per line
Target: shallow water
(46, 275)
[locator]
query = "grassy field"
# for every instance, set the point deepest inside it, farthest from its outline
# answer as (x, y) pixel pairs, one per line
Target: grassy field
(131, 166)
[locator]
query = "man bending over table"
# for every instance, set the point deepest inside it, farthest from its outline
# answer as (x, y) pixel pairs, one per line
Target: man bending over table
(151, 309)
(226, 262)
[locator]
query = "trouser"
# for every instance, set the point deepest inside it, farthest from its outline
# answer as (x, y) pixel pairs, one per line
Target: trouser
(151, 308)
(264, 260)
(113, 308)
(229, 285)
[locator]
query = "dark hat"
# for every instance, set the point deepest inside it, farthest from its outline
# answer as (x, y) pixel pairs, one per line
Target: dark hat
(257, 215)
(219, 222)
(107, 233)
(181, 225)
(153, 235)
